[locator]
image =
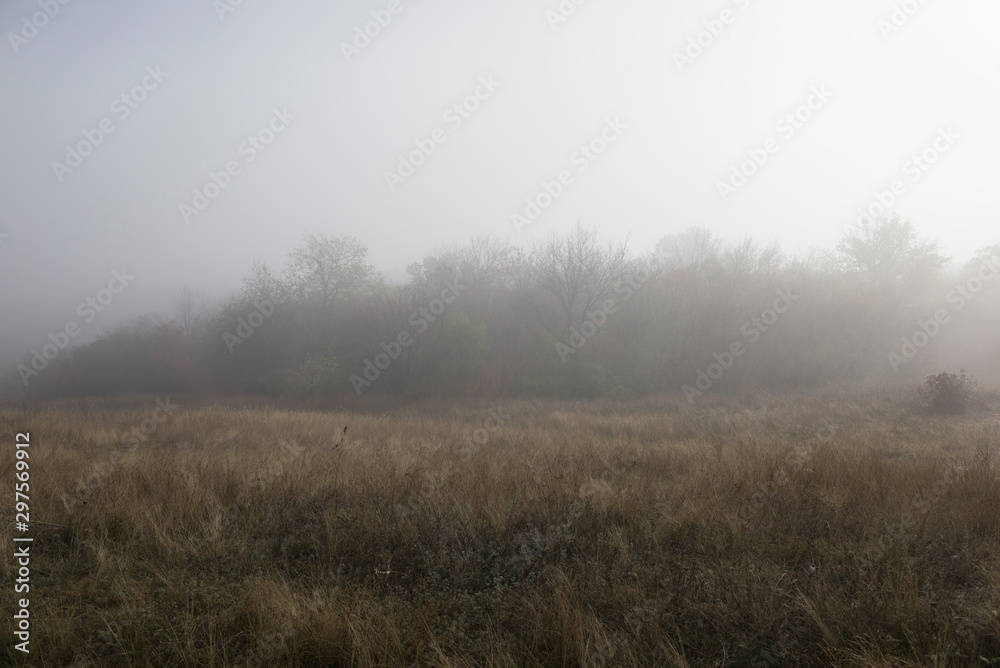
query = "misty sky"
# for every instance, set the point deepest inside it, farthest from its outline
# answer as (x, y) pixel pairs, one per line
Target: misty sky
(267, 66)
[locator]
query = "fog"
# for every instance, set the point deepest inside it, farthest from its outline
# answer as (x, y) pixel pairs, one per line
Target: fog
(179, 144)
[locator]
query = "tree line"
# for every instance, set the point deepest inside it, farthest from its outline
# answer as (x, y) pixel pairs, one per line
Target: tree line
(573, 316)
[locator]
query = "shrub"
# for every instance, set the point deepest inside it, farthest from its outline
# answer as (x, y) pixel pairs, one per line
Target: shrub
(950, 392)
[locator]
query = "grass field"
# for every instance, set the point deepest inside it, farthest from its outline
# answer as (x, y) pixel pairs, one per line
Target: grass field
(847, 527)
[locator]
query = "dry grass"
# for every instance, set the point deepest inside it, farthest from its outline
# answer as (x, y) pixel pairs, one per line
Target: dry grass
(597, 534)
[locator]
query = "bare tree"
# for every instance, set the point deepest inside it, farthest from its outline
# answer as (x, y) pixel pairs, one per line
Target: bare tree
(188, 309)
(491, 264)
(695, 248)
(571, 275)
(748, 258)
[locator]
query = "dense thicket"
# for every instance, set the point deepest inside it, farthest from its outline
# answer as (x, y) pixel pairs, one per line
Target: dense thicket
(573, 316)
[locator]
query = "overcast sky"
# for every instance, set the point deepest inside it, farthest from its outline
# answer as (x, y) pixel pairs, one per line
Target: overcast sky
(673, 120)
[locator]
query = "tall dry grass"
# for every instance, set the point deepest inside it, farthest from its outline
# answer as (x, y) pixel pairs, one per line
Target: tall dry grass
(766, 530)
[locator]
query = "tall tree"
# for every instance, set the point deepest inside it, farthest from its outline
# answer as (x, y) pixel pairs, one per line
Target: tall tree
(188, 309)
(888, 253)
(571, 275)
(261, 284)
(325, 267)
(696, 248)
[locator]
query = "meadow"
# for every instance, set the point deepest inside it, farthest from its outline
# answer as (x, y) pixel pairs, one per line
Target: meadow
(844, 527)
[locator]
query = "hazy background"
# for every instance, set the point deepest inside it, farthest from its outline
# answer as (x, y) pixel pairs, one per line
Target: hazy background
(325, 173)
